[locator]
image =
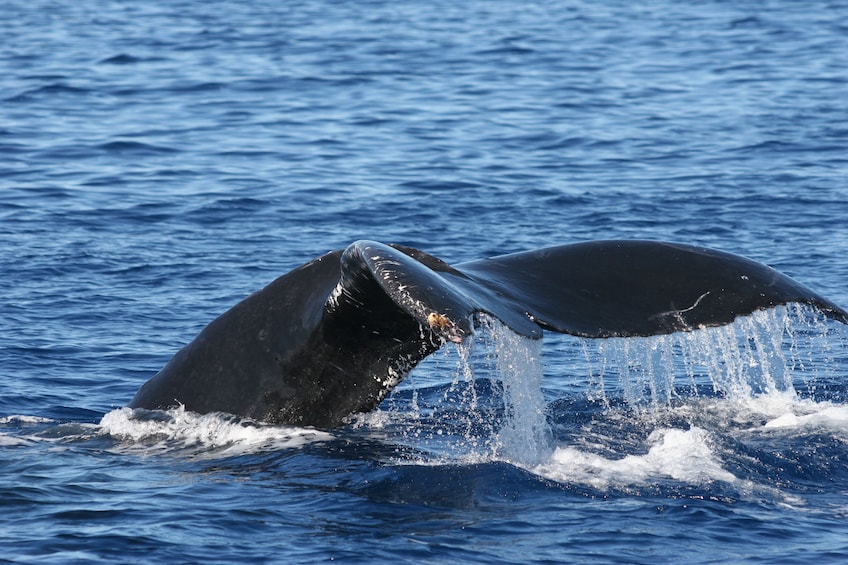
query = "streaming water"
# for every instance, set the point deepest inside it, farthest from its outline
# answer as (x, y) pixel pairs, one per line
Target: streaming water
(756, 355)
(524, 435)
(665, 399)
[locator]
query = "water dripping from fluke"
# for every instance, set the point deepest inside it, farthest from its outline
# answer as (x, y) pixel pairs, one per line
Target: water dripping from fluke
(524, 435)
(629, 393)
(762, 356)
(492, 410)
(766, 353)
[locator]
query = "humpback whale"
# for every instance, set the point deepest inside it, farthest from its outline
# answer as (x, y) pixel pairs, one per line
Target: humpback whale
(334, 336)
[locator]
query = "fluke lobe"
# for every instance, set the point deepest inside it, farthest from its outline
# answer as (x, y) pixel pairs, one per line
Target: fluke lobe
(333, 337)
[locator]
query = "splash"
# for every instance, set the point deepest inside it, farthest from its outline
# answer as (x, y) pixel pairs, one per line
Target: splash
(753, 364)
(673, 404)
(493, 408)
(670, 405)
(206, 435)
(680, 455)
(756, 361)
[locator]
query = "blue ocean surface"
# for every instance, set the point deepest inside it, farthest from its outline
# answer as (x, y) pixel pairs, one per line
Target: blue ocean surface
(159, 161)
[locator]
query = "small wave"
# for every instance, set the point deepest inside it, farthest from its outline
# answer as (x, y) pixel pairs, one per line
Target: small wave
(135, 148)
(23, 419)
(209, 435)
(23, 430)
(54, 89)
(127, 59)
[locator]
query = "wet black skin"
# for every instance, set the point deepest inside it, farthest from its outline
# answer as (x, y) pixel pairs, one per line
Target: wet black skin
(333, 337)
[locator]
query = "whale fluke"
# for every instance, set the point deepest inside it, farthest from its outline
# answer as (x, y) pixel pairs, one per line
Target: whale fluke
(333, 337)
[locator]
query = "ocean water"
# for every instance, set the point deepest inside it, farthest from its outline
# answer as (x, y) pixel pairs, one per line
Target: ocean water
(161, 160)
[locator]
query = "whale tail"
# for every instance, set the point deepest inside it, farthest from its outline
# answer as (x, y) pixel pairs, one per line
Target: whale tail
(335, 336)
(604, 289)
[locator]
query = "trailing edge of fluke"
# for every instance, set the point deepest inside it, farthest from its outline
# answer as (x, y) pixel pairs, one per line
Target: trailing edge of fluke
(333, 337)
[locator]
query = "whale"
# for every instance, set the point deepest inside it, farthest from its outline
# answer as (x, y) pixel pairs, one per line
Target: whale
(333, 337)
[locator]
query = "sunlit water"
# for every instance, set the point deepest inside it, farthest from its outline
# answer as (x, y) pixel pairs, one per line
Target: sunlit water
(159, 161)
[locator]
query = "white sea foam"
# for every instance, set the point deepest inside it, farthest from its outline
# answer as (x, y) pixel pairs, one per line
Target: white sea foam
(823, 416)
(778, 410)
(691, 456)
(9, 440)
(681, 455)
(214, 435)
